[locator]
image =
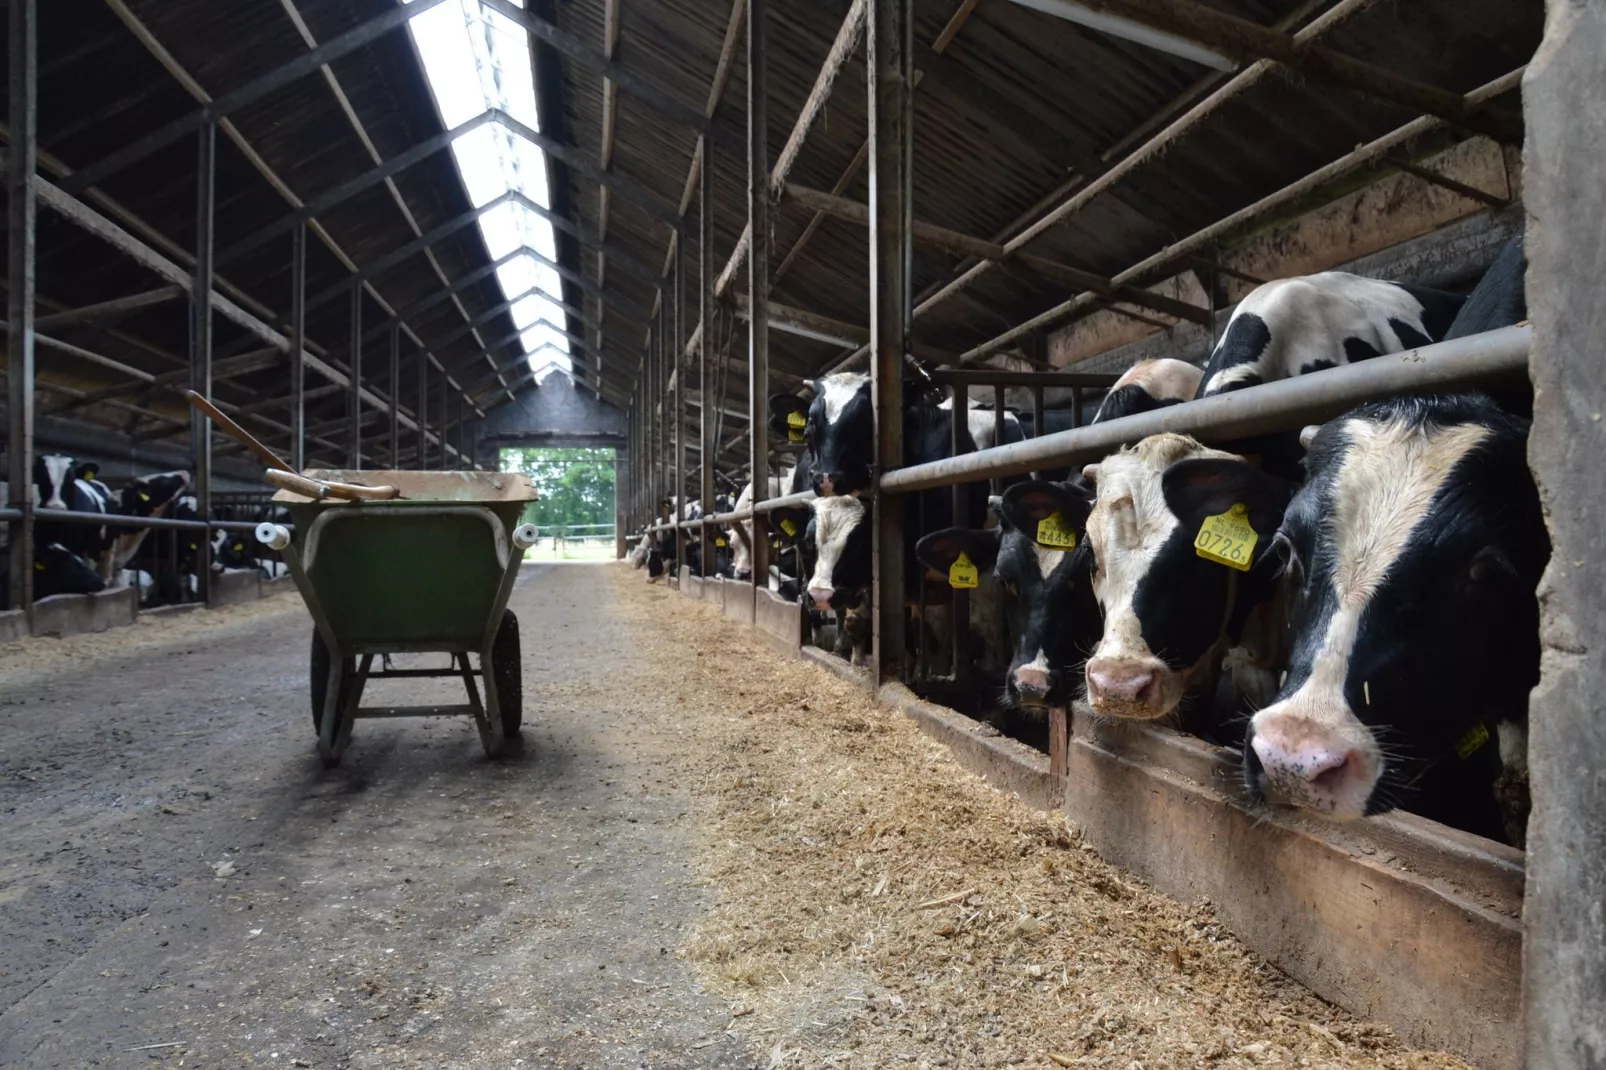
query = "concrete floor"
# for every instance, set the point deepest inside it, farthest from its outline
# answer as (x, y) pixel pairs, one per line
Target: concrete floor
(182, 883)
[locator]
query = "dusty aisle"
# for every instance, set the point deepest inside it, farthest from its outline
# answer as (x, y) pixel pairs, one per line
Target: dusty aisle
(709, 856)
(177, 869)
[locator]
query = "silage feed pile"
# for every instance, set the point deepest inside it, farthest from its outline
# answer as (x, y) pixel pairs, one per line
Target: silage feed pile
(877, 906)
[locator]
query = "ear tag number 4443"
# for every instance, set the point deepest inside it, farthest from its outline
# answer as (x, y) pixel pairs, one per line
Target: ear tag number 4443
(1227, 539)
(962, 573)
(795, 423)
(1052, 533)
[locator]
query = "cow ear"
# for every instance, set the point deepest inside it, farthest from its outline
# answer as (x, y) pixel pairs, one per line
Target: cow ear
(787, 524)
(1028, 504)
(785, 412)
(1205, 486)
(941, 549)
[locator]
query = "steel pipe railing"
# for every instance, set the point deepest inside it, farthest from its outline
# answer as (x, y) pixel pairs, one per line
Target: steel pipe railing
(769, 505)
(73, 516)
(1279, 406)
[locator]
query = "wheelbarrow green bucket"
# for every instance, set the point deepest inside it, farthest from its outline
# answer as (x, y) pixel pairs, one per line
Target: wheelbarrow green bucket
(429, 571)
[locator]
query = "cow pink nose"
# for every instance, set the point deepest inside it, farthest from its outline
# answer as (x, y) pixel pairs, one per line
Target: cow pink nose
(1033, 681)
(1310, 765)
(1121, 683)
(821, 596)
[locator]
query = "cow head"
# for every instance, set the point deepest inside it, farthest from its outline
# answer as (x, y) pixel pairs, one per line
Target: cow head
(838, 431)
(52, 475)
(57, 570)
(152, 495)
(1412, 555)
(840, 534)
(1168, 611)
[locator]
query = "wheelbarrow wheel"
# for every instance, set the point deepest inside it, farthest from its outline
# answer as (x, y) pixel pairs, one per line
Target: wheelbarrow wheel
(321, 664)
(507, 669)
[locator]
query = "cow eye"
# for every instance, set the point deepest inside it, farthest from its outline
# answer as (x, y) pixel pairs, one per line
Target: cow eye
(1487, 567)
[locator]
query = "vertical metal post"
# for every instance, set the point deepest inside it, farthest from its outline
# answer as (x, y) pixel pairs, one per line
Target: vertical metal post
(959, 431)
(1076, 406)
(677, 348)
(201, 346)
(1039, 421)
(395, 397)
(758, 280)
(421, 413)
(889, 48)
(354, 358)
(705, 311)
(997, 484)
(21, 217)
(298, 347)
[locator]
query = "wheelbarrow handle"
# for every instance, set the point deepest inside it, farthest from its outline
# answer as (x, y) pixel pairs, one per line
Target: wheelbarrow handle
(319, 490)
(236, 432)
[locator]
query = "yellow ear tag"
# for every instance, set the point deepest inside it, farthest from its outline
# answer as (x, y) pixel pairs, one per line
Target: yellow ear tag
(1052, 532)
(38, 566)
(1227, 539)
(789, 526)
(795, 423)
(719, 541)
(1472, 742)
(962, 573)
(144, 497)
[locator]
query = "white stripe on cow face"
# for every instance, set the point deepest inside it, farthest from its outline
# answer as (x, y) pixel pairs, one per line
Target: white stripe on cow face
(1315, 751)
(58, 470)
(834, 519)
(838, 389)
(1047, 560)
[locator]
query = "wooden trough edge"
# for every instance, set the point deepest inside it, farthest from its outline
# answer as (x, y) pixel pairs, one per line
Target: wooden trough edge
(1396, 919)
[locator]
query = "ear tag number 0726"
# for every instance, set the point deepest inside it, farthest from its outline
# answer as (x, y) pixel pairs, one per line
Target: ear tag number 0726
(962, 574)
(1052, 532)
(1227, 539)
(795, 423)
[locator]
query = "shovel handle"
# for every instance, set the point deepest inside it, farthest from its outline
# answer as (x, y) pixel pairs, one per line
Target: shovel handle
(236, 432)
(318, 490)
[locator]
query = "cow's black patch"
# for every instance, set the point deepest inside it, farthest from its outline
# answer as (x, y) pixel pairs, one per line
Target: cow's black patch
(1359, 349)
(1439, 310)
(1500, 299)
(1316, 366)
(1244, 343)
(1409, 336)
(1130, 400)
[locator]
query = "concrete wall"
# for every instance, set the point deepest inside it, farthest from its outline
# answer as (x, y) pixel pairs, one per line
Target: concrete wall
(1564, 101)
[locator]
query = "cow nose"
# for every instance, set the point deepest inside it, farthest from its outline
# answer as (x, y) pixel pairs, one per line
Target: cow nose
(1033, 682)
(1123, 688)
(825, 483)
(1310, 764)
(821, 596)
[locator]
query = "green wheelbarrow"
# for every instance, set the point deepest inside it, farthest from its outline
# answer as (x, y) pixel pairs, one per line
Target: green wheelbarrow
(426, 571)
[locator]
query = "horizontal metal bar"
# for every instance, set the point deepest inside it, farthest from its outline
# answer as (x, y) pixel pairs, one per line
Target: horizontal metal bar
(990, 377)
(1458, 365)
(766, 506)
(10, 514)
(414, 711)
(73, 516)
(407, 674)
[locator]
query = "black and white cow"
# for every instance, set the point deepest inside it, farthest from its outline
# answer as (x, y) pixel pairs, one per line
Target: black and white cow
(1170, 614)
(1150, 385)
(64, 485)
(57, 570)
(1412, 556)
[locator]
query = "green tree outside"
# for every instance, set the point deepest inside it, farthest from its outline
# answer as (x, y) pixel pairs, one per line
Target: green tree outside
(575, 485)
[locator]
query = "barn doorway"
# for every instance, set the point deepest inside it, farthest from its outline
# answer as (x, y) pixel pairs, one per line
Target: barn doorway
(575, 508)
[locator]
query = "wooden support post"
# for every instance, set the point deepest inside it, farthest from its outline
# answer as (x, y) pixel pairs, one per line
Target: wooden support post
(395, 398)
(201, 344)
(421, 462)
(298, 346)
(758, 281)
(354, 359)
(705, 309)
(889, 50)
(21, 219)
(673, 349)
(1059, 743)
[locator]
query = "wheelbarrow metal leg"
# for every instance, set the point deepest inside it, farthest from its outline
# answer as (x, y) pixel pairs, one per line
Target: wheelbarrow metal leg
(486, 716)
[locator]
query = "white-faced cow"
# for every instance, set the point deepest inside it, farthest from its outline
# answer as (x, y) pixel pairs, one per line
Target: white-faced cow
(1412, 555)
(1171, 614)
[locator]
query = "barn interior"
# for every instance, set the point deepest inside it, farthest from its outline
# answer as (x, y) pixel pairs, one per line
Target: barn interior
(271, 205)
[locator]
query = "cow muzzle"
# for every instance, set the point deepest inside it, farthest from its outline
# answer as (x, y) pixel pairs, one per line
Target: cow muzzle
(1033, 685)
(1297, 760)
(1138, 689)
